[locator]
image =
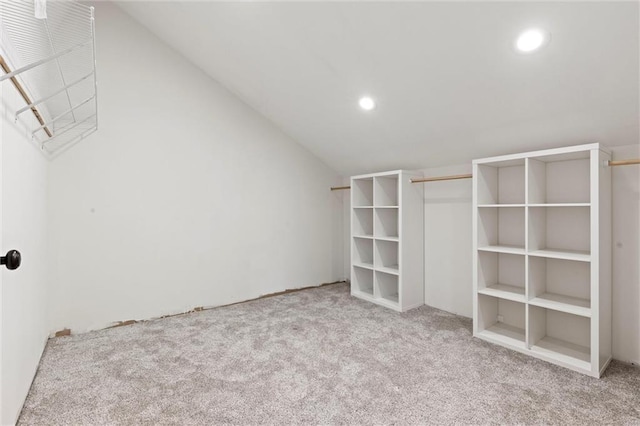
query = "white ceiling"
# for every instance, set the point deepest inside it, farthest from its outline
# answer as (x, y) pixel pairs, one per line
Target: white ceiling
(448, 83)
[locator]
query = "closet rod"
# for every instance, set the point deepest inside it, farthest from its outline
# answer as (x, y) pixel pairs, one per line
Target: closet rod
(624, 162)
(24, 95)
(469, 176)
(437, 178)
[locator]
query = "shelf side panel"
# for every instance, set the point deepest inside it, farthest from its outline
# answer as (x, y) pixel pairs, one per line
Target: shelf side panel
(411, 245)
(601, 258)
(537, 181)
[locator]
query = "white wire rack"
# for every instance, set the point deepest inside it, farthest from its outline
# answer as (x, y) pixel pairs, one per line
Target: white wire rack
(52, 63)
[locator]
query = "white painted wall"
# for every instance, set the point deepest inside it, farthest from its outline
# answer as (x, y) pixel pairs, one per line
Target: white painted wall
(184, 197)
(626, 256)
(447, 241)
(448, 248)
(23, 291)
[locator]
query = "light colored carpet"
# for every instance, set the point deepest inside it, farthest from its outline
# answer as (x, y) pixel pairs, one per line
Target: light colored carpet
(314, 357)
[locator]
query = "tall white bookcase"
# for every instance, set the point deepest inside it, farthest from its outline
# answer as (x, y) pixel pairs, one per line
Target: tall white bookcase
(387, 239)
(542, 255)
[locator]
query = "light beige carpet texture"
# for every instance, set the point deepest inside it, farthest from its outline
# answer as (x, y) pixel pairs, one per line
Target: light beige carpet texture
(317, 356)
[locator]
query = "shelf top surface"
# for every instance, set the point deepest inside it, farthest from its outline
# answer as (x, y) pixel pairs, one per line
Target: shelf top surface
(543, 155)
(383, 238)
(582, 256)
(391, 173)
(504, 334)
(388, 270)
(557, 302)
(560, 350)
(368, 237)
(504, 291)
(503, 249)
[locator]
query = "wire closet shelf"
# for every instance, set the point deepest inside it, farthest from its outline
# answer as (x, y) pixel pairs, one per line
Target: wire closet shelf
(52, 64)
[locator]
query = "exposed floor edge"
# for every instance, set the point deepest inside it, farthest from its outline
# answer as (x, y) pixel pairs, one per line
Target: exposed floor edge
(68, 332)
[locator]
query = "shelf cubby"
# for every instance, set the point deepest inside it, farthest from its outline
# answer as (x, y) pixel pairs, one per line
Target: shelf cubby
(362, 222)
(386, 223)
(502, 229)
(363, 252)
(542, 242)
(501, 321)
(362, 192)
(362, 280)
(560, 337)
(562, 285)
(559, 180)
(501, 275)
(501, 183)
(385, 191)
(560, 232)
(387, 239)
(387, 286)
(386, 256)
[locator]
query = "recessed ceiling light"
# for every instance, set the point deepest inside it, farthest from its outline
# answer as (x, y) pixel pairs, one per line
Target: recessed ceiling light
(531, 40)
(366, 103)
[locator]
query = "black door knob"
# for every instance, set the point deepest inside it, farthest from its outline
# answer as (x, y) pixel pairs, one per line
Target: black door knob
(11, 260)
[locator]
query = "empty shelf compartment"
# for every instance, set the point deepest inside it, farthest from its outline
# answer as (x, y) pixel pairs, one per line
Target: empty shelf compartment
(388, 287)
(501, 275)
(501, 321)
(561, 285)
(560, 336)
(362, 281)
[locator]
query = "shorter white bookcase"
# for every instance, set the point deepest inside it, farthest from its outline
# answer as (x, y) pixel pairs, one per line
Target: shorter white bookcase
(542, 255)
(387, 239)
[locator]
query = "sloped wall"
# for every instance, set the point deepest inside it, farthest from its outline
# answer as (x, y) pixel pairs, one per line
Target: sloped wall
(185, 197)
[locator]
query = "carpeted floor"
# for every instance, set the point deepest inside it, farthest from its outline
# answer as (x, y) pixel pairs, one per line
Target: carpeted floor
(314, 357)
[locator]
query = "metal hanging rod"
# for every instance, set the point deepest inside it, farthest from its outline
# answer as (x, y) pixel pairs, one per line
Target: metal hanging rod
(624, 162)
(24, 95)
(437, 178)
(469, 176)
(420, 180)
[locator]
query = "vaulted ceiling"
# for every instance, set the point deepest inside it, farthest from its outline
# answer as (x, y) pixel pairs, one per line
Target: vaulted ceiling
(448, 82)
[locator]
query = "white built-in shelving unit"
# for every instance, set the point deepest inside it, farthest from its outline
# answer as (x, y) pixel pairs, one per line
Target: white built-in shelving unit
(387, 239)
(542, 255)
